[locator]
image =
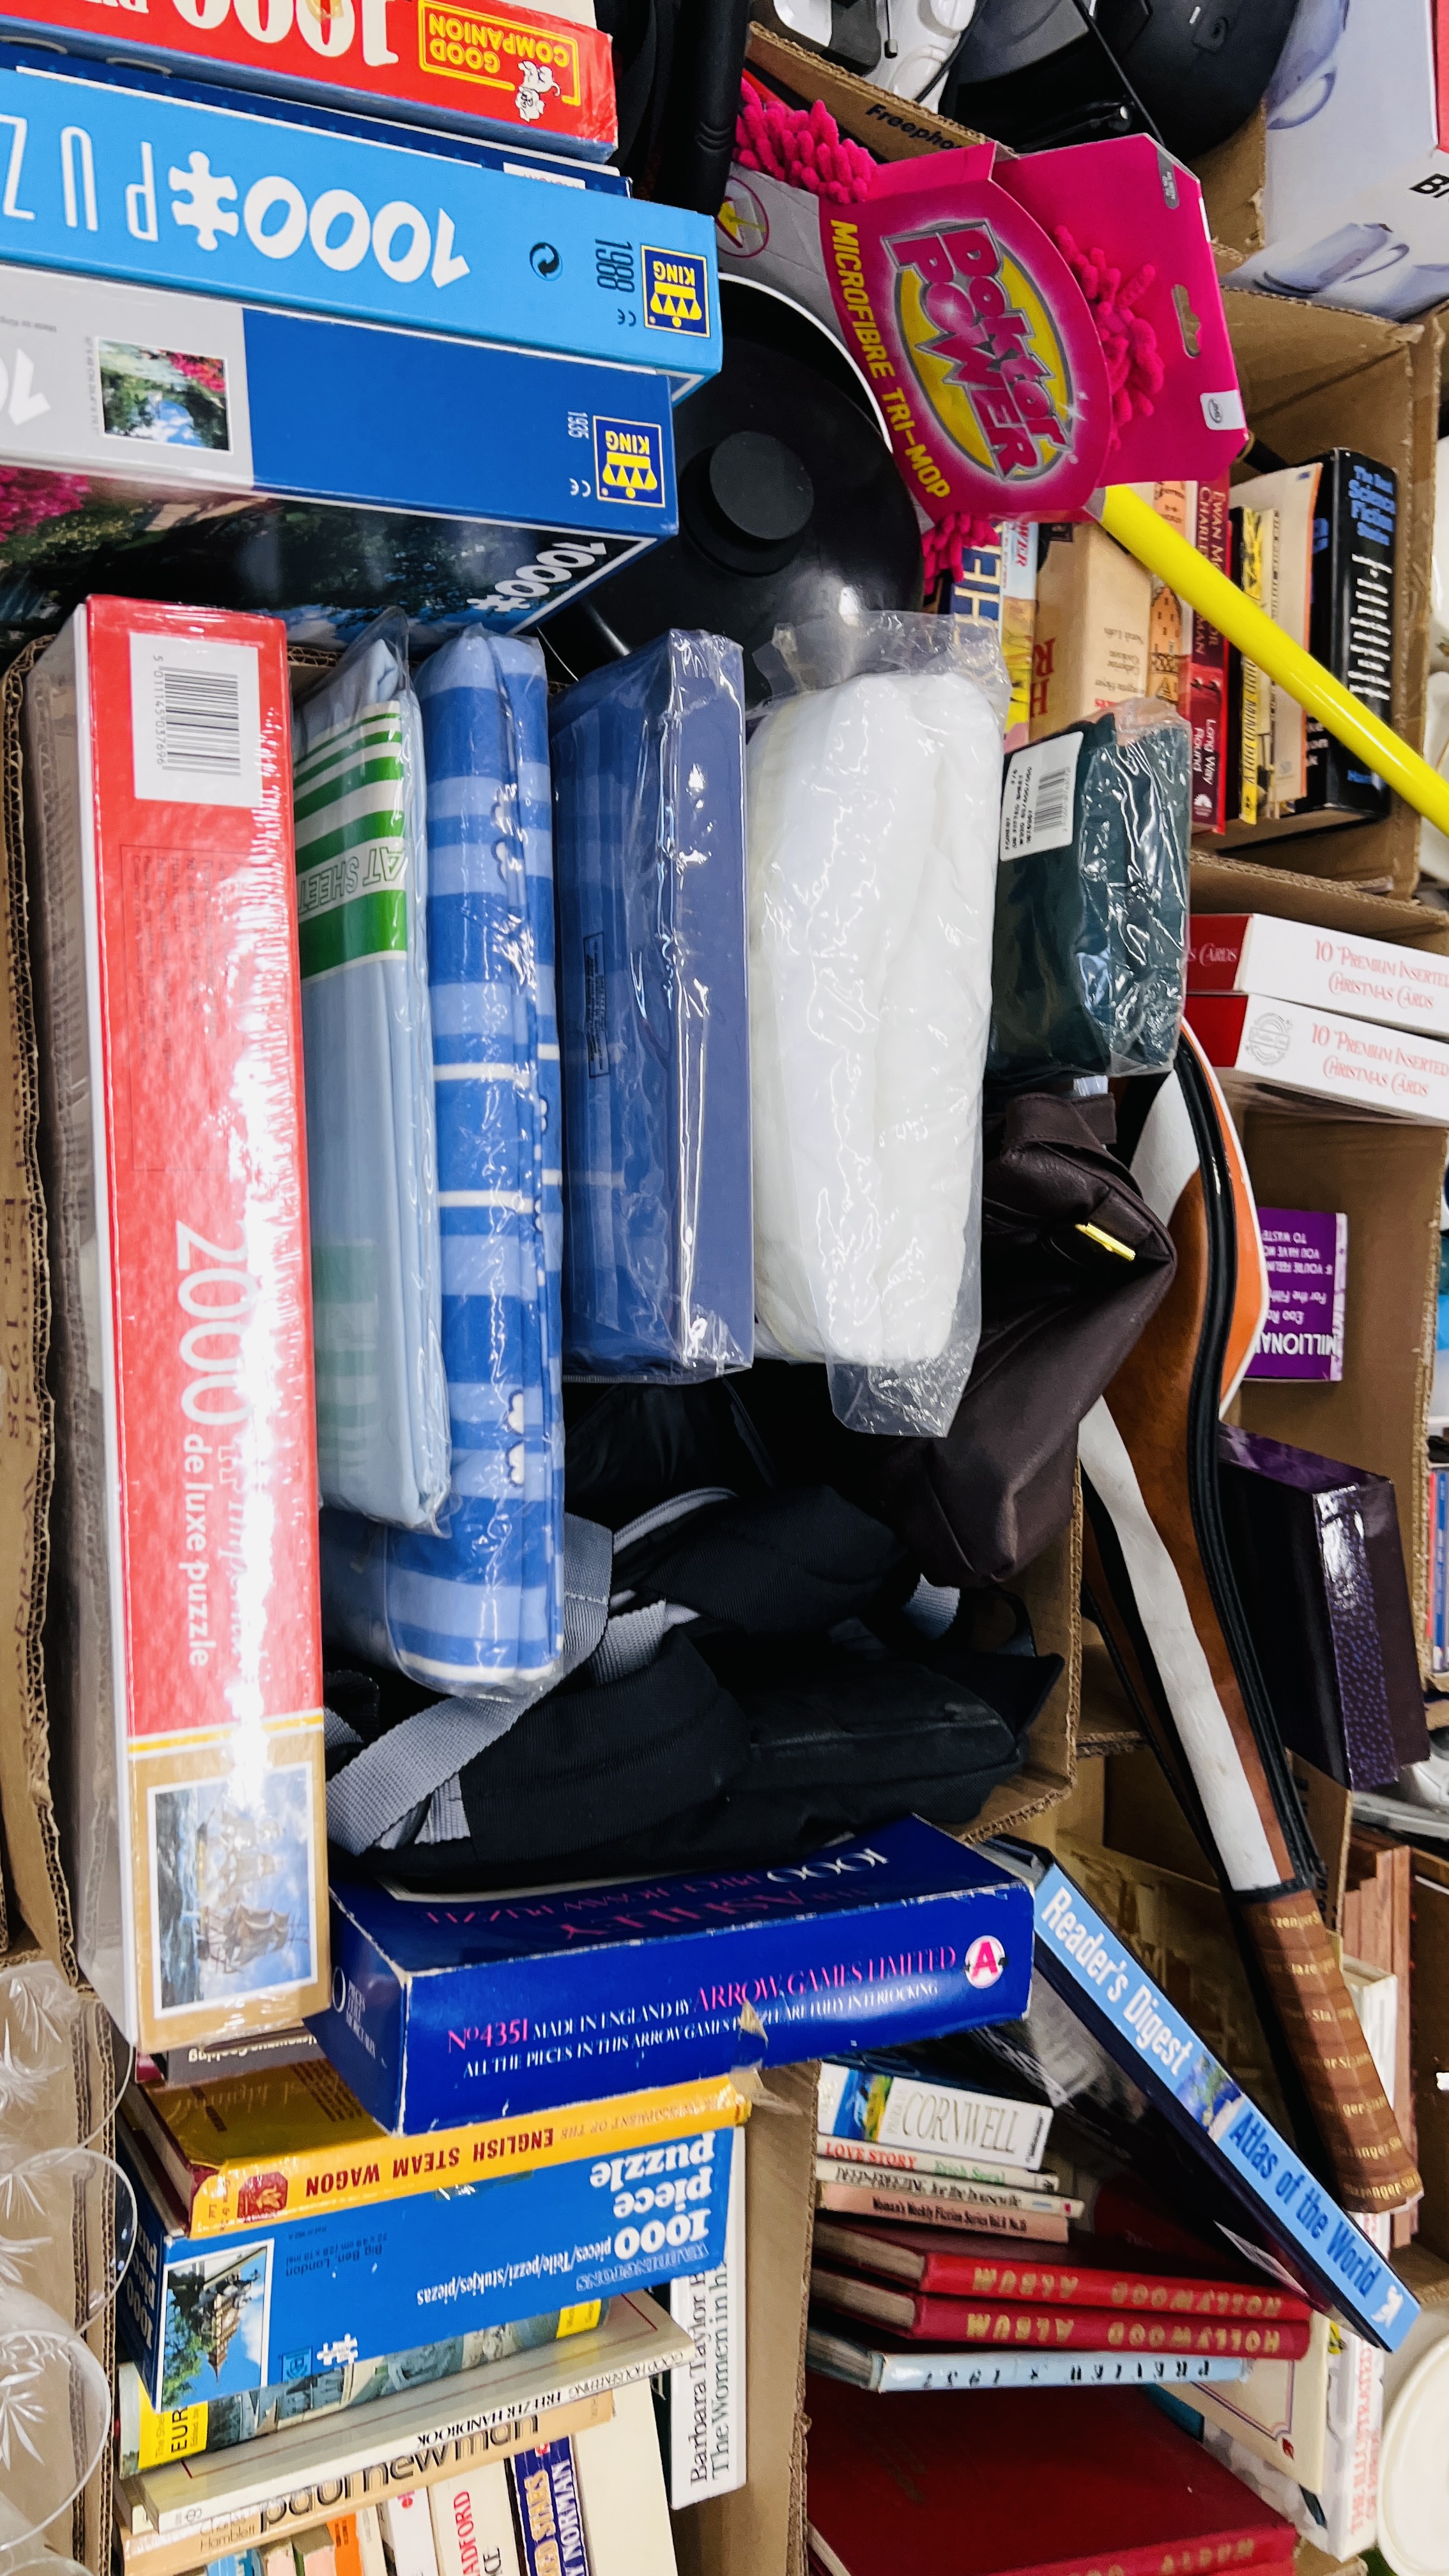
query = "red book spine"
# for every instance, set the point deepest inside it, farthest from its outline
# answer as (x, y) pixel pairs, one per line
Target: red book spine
(1204, 698)
(951, 2274)
(1012, 2326)
(1215, 950)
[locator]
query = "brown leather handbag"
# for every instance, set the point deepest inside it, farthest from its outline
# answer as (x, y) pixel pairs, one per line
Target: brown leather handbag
(1161, 1585)
(1073, 1264)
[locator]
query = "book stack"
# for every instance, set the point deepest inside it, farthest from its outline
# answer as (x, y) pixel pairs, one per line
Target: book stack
(1195, 2264)
(892, 2144)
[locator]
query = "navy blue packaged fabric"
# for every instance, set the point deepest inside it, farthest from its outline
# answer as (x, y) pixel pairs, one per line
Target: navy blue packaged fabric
(649, 860)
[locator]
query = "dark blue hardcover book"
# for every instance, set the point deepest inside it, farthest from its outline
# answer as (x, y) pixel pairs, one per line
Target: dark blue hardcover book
(546, 2485)
(1231, 2166)
(445, 2011)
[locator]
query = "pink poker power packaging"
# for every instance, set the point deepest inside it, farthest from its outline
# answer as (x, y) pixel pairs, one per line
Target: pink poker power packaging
(183, 1658)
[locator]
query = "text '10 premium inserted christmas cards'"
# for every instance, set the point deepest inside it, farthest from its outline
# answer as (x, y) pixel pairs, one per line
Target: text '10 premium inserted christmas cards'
(183, 1657)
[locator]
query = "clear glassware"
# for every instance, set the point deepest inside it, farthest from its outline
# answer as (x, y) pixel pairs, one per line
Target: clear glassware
(63, 2064)
(67, 2229)
(55, 2421)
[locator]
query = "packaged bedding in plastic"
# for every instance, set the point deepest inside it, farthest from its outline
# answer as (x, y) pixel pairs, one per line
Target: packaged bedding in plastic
(874, 792)
(482, 1602)
(358, 809)
(1090, 960)
(648, 788)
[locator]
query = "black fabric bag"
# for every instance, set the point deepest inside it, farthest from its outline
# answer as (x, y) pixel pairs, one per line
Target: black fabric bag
(1073, 1265)
(761, 1686)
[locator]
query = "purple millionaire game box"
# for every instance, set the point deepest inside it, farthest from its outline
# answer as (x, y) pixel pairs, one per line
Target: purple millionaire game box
(1307, 1256)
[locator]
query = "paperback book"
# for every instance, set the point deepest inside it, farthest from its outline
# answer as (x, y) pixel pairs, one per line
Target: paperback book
(635, 2340)
(152, 2440)
(958, 2171)
(459, 2009)
(701, 2402)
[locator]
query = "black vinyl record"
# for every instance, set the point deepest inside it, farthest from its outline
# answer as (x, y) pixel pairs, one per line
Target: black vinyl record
(790, 503)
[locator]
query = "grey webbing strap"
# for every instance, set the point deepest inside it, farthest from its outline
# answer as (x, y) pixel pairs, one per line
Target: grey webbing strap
(403, 1768)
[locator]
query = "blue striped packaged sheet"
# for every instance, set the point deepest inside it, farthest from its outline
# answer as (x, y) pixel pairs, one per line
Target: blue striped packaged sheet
(358, 807)
(481, 1604)
(649, 848)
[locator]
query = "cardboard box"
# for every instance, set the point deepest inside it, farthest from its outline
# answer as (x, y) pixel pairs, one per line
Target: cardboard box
(183, 1654)
(894, 129)
(1385, 1176)
(1283, 1046)
(1355, 165)
(191, 448)
(524, 77)
(1093, 615)
(1314, 378)
(347, 216)
(759, 2529)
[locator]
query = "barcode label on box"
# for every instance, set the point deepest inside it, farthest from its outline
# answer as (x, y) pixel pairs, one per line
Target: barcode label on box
(1037, 800)
(196, 733)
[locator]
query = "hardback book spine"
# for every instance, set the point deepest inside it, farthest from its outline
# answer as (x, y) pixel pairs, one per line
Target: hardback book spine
(184, 1521)
(1351, 629)
(702, 2400)
(410, 234)
(891, 2372)
(1016, 2326)
(473, 2530)
(963, 2271)
(860, 2198)
(1204, 697)
(959, 2171)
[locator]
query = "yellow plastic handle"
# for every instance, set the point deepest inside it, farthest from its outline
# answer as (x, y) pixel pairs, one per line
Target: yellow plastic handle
(1136, 525)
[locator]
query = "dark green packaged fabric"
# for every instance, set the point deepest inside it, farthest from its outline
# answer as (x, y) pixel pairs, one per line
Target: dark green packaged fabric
(1089, 958)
